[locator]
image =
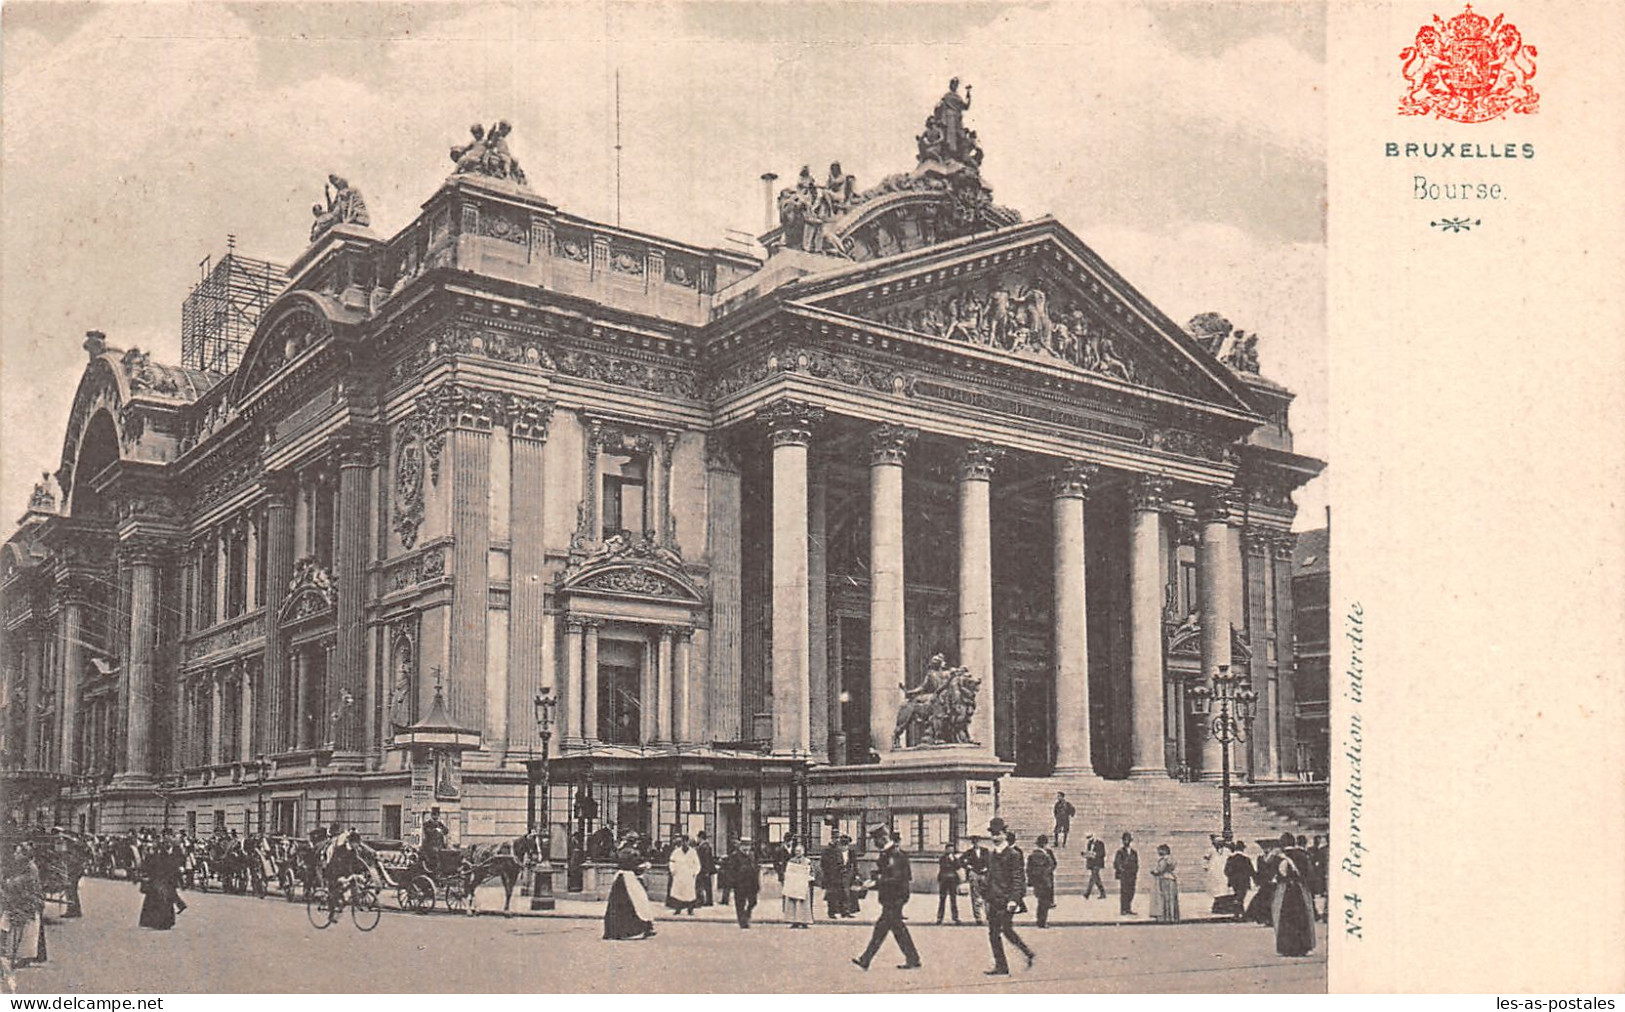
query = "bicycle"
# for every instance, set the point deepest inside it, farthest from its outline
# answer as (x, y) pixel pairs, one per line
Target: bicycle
(355, 891)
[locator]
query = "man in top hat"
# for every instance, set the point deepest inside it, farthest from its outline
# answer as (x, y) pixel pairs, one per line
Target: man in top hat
(891, 881)
(434, 838)
(1126, 868)
(1094, 859)
(1006, 886)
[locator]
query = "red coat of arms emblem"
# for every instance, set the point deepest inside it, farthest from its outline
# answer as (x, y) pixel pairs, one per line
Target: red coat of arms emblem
(1469, 69)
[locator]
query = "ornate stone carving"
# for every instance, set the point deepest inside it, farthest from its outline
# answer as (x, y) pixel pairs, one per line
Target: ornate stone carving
(817, 362)
(356, 448)
(621, 372)
(979, 462)
(310, 592)
(527, 417)
(889, 444)
(487, 154)
(403, 670)
(1188, 444)
(1284, 545)
(1073, 479)
(791, 423)
(247, 631)
(1270, 494)
(946, 138)
(1216, 505)
(1149, 492)
(345, 206)
(720, 453)
(1017, 315)
(143, 374)
(1257, 542)
(428, 565)
(1187, 532)
(406, 513)
(502, 225)
(1235, 348)
(940, 707)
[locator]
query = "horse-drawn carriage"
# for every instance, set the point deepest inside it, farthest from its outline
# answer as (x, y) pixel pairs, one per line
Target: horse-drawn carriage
(60, 856)
(421, 879)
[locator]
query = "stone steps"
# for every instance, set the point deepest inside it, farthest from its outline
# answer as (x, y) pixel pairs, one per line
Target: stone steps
(1155, 810)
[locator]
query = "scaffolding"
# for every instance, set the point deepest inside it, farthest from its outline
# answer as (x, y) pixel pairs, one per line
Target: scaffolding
(219, 316)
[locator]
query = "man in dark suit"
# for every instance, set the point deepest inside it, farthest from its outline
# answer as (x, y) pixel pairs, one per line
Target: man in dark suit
(1006, 885)
(1041, 876)
(1094, 859)
(948, 882)
(974, 861)
(740, 877)
(892, 877)
(832, 872)
(708, 870)
(1126, 868)
(1238, 871)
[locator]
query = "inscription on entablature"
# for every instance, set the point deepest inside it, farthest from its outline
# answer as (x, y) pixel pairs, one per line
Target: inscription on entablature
(1027, 409)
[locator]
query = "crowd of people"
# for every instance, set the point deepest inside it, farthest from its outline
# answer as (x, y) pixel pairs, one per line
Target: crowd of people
(1287, 884)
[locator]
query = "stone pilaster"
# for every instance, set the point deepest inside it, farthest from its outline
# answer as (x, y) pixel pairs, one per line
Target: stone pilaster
(1072, 738)
(347, 697)
(1146, 685)
(683, 661)
(217, 691)
(791, 426)
(888, 642)
(528, 642)
(245, 713)
(470, 449)
(33, 660)
(279, 549)
(976, 581)
(722, 684)
(72, 636)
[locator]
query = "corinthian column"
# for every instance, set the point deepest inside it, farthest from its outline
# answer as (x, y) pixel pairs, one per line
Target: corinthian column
(791, 426)
(73, 662)
(573, 722)
(347, 678)
(888, 448)
(143, 564)
(1217, 565)
(272, 714)
(976, 582)
(1145, 629)
(1072, 748)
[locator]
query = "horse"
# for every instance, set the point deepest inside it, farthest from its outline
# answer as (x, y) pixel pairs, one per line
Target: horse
(507, 860)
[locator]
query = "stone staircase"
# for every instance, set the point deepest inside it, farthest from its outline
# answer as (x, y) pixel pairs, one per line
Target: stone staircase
(1156, 810)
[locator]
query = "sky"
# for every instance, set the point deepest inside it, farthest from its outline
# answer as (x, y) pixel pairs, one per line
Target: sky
(1184, 142)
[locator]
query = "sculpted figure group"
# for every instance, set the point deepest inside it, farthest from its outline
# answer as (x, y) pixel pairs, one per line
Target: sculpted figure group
(345, 206)
(940, 707)
(487, 154)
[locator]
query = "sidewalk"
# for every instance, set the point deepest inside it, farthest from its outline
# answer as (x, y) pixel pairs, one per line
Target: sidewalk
(1070, 910)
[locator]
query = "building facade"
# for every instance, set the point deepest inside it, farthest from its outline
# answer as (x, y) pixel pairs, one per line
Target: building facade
(722, 511)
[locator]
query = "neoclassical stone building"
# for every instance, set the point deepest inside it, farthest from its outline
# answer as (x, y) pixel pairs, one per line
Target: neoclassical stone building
(721, 509)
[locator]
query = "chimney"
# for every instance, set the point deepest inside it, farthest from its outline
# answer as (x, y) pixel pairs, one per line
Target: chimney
(768, 222)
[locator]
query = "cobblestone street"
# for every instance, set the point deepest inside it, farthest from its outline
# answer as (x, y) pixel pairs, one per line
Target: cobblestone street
(231, 943)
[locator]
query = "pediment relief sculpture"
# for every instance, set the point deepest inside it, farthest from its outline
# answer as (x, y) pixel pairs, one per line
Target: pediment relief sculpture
(310, 591)
(1026, 317)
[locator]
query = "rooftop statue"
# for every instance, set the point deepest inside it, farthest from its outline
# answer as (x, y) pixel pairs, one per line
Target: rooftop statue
(946, 138)
(487, 154)
(345, 206)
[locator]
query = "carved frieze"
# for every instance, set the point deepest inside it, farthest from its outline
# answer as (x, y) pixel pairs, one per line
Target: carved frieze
(236, 635)
(406, 509)
(425, 567)
(627, 373)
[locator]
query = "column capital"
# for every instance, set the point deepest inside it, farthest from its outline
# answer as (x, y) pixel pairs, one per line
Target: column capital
(280, 488)
(356, 447)
(1216, 505)
(574, 623)
(1187, 532)
(1285, 543)
(527, 417)
(143, 550)
(979, 461)
(1257, 541)
(1149, 492)
(889, 444)
(668, 633)
(791, 423)
(1072, 480)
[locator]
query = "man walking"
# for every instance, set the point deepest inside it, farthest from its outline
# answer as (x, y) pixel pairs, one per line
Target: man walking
(1238, 871)
(1063, 818)
(1041, 876)
(1094, 859)
(708, 870)
(1126, 868)
(974, 861)
(1005, 887)
(832, 872)
(892, 877)
(948, 881)
(739, 875)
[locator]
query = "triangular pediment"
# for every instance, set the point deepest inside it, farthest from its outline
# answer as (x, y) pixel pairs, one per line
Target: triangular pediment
(1030, 292)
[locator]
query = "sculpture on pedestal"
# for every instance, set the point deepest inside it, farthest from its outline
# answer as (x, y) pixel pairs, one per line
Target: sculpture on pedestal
(487, 154)
(345, 206)
(940, 707)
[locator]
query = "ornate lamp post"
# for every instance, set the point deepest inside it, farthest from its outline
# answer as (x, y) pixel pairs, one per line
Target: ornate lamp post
(541, 887)
(1231, 710)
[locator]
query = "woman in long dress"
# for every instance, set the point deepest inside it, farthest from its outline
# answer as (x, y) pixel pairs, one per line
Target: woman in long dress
(1165, 894)
(798, 908)
(1293, 909)
(160, 879)
(684, 864)
(24, 910)
(1259, 908)
(628, 913)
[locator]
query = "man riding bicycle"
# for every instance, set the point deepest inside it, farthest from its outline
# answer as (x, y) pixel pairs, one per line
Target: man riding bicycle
(347, 858)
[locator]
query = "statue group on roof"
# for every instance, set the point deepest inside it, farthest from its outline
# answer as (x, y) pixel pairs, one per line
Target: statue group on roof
(946, 138)
(345, 206)
(487, 154)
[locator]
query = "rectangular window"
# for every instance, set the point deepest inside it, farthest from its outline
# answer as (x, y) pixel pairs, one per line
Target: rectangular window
(219, 821)
(1189, 589)
(625, 496)
(206, 571)
(284, 817)
(778, 827)
(325, 527)
(392, 822)
(191, 823)
(236, 574)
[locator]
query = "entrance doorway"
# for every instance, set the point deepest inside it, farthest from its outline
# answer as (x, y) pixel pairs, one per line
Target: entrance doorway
(620, 687)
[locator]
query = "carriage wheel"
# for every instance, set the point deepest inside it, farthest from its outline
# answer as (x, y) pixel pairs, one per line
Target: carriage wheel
(316, 909)
(456, 896)
(417, 895)
(364, 910)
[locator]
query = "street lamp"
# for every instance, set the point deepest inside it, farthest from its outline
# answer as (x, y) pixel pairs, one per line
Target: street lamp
(1231, 710)
(541, 887)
